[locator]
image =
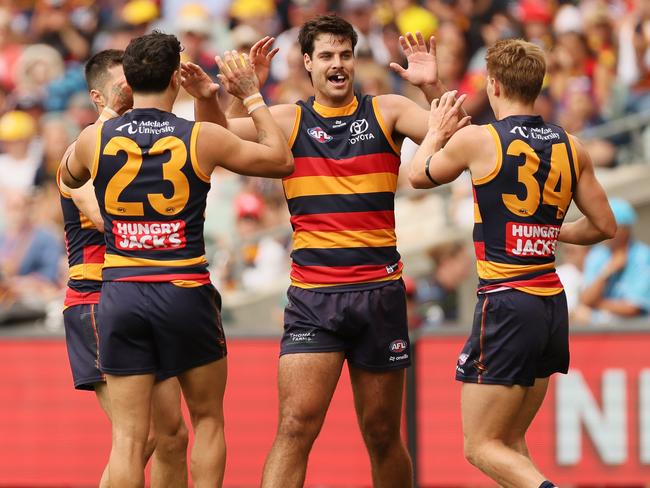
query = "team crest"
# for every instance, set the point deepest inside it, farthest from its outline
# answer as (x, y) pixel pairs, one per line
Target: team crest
(319, 134)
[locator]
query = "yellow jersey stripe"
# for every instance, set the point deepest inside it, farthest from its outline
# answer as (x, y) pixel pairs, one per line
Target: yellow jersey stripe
(98, 145)
(340, 185)
(384, 127)
(491, 270)
(115, 261)
(193, 157)
(87, 271)
(344, 239)
(495, 171)
(296, 126)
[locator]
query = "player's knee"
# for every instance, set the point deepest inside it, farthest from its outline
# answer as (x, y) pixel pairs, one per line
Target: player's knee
(175, 441)
(379, 436)
(299, 426)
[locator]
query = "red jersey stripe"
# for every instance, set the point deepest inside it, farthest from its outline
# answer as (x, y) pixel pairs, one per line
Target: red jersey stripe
(94, 254)
(341, 274)
(358, 165)
(383, 219)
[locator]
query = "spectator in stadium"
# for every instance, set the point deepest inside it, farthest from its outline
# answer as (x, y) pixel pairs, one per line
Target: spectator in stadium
(572, 259)
(52, 25)
(9, 50)
(57, 133)
(616, 280)
(21, 158)
(35, 68)
(520, 331)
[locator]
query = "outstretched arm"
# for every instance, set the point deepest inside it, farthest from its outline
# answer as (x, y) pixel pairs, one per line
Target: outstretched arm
(598, 222)
(432, 165)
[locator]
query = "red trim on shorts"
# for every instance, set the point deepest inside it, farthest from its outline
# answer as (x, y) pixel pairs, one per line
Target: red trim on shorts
(482, 340)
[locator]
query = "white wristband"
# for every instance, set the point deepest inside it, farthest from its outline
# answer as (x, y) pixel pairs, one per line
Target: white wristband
(255, 106)
(251, 98)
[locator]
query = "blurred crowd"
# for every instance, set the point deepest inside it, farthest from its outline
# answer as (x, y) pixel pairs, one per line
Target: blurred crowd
(598, 71)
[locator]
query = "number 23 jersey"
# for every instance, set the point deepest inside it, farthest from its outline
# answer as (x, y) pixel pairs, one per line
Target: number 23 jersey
(151, 193)
(520, 206)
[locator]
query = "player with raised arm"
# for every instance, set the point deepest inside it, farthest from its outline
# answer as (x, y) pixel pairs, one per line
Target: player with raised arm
(347, 298)
(85, 247)
(525, 173)
(159, 312)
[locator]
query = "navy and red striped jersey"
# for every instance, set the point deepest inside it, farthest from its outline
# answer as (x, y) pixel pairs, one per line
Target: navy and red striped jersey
(341, 197)
(151, 193)
(85, 248)
(520, 206)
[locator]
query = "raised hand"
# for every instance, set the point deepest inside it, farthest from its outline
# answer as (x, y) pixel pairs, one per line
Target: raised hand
(261, 55)
(197, 82)
(237, 75)
(443, 118)
(120, 96)
(422, 66)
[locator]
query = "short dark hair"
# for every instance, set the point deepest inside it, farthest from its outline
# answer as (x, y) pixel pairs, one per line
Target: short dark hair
(96, 69)
(150, 61)
(325, 24)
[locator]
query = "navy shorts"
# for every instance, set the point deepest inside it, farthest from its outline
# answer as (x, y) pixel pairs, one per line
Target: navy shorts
(158, 327)
(369, 326)
(80, 322)
(516, 337)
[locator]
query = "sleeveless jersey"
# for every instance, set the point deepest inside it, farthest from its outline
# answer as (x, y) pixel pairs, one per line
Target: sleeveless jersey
(85, 248)
(341, 197)
(151, 193)
(520, 206)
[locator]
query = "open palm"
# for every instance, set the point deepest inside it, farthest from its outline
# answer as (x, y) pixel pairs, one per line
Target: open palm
(422, 66)
(261, 55)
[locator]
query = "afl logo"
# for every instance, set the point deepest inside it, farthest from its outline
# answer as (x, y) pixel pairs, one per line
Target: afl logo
(319, 134)
(398, 346)
(358, 127)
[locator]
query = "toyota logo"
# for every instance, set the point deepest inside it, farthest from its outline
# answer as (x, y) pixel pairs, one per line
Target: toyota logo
(358, 127)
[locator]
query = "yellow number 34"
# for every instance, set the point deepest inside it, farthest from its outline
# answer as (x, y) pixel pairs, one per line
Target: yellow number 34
(171, 171)
(560, 172)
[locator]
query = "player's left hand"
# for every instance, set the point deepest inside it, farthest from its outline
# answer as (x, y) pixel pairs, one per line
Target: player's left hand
(197, 82)
(237, 75)
(261, 56)
(120, 96)
(443, 117)
(422, 66)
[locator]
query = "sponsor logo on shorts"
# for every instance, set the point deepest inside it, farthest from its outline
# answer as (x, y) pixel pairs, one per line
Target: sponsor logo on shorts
(531, 239)
(145, 236)
(398, 346)
(302, 337)
(462, 359)
(404, 356)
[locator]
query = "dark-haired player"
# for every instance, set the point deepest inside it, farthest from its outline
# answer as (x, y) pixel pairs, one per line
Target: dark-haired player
(159, 312)
(347, 298)
(85, 246)
(525, 173)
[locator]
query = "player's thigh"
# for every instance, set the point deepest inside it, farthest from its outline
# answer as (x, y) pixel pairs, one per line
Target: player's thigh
(530, 405)
(489, 412)
(130, 399)
(378, 397)
(166, 406)
(203, 388)
(306, 383)
(101, 392)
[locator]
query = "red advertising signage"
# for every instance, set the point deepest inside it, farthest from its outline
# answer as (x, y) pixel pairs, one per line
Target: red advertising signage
(594, 428)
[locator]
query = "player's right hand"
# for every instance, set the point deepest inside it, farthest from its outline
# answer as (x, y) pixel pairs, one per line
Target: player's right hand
(237, 74)
(197, 82)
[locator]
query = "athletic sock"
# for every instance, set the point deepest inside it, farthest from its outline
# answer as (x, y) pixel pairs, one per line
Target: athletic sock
(547, 484)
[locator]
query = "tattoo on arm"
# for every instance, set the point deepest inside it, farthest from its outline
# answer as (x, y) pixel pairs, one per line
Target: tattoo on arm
(261, 136)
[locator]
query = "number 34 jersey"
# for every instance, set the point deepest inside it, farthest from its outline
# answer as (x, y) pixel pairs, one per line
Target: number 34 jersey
(151, 193)
(520, 206)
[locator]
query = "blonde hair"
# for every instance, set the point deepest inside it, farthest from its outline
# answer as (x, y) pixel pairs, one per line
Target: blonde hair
(519, 67)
